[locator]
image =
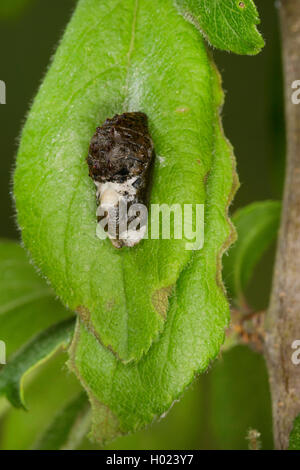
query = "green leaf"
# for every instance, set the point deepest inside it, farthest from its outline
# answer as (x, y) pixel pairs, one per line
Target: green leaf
(119, 57)
(47, 390)
(226, 24)
(27, 304)
(295, 435)
(34, 353)
(127, 397)
(69, 426)
(187, 416)
(122, 295)
(257, 226)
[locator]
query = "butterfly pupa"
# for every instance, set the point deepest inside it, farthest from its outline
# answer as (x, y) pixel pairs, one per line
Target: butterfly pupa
(120, 160)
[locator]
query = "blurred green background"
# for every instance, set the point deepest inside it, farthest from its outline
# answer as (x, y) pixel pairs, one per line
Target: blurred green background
(233, 397)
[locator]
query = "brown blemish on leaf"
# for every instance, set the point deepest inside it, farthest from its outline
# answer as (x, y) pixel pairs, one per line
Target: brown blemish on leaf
(84, 314)
(105, 425)
(182, 109)
(206, 178)
(160, 300)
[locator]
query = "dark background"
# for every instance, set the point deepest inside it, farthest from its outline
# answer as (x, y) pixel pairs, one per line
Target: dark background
(215, 412)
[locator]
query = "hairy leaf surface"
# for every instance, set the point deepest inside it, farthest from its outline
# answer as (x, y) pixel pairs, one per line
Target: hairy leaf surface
(226, 24)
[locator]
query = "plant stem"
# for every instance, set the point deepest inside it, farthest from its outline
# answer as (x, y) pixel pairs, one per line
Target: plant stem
(283, 319)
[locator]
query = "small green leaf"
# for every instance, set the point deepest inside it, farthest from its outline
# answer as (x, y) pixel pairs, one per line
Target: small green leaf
(69, 426)
(227, 24)
(257, 226)
(27, 303)
(34, 353)
(295, 435)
